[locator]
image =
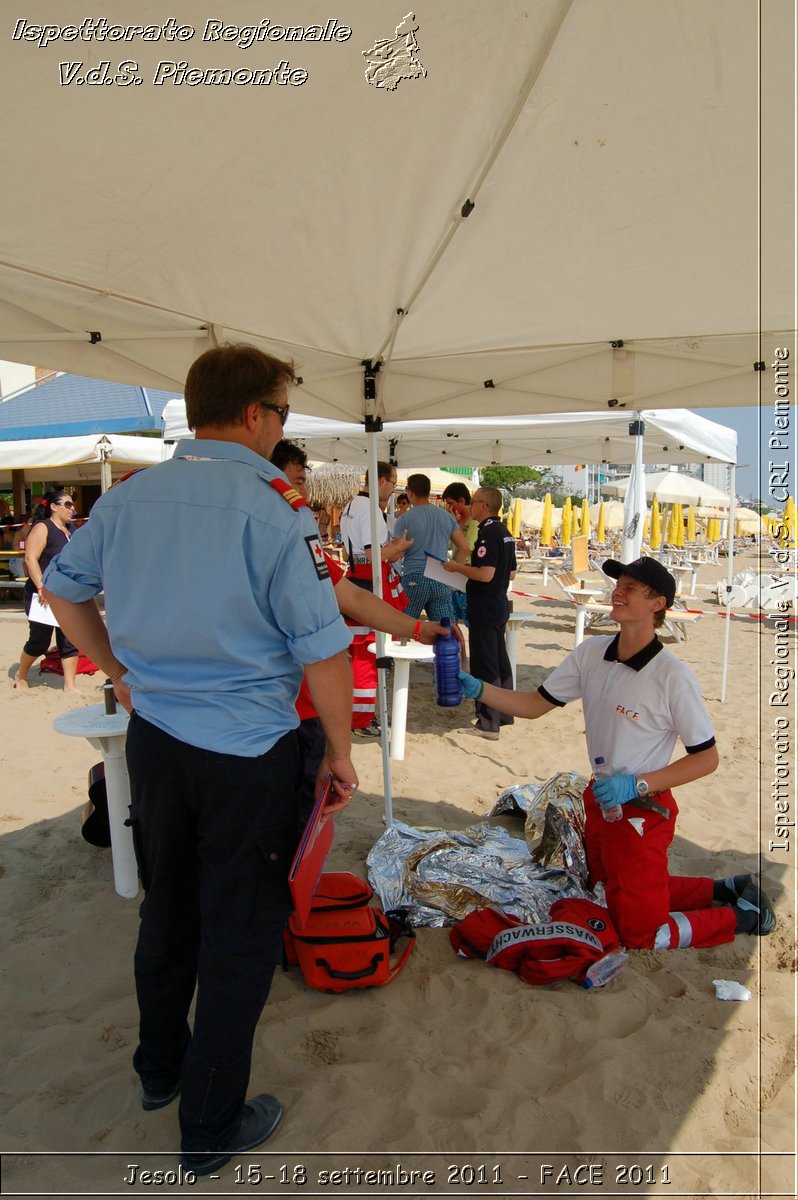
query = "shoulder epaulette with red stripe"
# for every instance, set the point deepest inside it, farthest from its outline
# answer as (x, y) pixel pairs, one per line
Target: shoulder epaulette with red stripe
(289, 493)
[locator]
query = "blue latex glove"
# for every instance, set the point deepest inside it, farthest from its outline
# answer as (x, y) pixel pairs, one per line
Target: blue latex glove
(472, 688)
(614, 789)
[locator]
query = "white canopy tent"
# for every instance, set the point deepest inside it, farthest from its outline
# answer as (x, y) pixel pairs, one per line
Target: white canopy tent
(517, 229)
(91, 458)
(673, 436)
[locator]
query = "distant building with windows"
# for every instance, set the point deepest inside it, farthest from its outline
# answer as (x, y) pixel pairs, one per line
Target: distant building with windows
(717, 475)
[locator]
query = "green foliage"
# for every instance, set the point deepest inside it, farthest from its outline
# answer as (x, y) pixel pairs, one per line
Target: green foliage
(508, 478)
(527, 483)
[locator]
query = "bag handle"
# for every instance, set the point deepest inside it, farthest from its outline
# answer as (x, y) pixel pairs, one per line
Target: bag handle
(400, 927)
(375, 962)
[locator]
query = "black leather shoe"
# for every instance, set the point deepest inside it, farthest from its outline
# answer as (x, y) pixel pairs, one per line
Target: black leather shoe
(151, 1098)
(261, 1117)
(754, 911)
(371, 731)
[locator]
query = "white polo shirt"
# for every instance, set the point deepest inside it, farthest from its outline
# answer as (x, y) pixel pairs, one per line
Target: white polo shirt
(634, 711)
(356, 525)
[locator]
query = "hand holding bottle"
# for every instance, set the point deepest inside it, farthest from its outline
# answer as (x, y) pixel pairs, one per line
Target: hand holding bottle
(472, 687)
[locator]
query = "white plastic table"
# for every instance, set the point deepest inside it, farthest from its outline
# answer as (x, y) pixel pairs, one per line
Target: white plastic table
(108, 733)
(403, 654)
(514, 622)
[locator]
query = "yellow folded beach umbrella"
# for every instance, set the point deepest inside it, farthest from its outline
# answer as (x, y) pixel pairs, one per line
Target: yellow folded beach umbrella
(545, 526)
(515, 526)
(669, 526)
(655, 541)
(678, 531)
(567, 518)
(647, 528)
(600, 525)
(584, 527)
(691, 524)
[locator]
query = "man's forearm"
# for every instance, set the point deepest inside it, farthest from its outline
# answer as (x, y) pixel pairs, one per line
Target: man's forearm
(478, 574)
(369, 610)
(516, 704)
(330, 685)
(86, 629)
(683, 770)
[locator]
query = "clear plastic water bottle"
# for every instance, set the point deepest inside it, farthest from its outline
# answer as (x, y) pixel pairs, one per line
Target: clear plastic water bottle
(615, 812)
(601, 972)
(445, 665)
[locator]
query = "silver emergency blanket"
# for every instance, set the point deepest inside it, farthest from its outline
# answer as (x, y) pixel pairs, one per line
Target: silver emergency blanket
(554, 825)
(438, 876)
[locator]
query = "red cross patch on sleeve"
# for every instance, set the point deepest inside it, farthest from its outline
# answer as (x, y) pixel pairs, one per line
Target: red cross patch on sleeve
(317, 554)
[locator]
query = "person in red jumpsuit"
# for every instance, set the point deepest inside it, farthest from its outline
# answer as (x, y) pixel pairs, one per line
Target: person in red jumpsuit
(638, 699)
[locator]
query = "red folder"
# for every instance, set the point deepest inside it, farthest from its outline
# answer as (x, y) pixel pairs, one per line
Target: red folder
(313, 849)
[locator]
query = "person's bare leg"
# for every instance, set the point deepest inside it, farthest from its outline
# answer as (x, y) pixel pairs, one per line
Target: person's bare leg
(70, 666)
(26, 661)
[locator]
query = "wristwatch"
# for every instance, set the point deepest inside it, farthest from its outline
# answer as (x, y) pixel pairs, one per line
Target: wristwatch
(642, 787)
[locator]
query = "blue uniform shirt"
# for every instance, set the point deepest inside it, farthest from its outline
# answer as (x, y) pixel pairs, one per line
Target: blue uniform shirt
(216, 595)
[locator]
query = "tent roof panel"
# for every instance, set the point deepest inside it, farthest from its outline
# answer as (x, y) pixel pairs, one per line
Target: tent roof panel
(613, 159)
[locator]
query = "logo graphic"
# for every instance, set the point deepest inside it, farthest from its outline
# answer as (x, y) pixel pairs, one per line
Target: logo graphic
(317, 554)
(390, 60)
(596, 923)
(630, 529)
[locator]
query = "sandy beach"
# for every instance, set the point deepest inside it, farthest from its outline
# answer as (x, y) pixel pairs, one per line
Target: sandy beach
(454, 1064)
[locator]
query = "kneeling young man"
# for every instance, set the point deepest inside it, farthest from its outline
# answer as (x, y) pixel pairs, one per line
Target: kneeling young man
(638, 698)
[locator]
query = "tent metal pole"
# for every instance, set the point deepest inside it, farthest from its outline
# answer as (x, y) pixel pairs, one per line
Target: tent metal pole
(634, 514)
(375, 519)
(729, 578)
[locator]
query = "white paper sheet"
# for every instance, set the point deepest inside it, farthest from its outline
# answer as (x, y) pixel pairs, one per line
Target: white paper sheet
(42, 614)
(433, 569)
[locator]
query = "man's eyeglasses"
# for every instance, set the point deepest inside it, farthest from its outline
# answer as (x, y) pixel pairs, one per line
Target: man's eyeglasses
(282, 410)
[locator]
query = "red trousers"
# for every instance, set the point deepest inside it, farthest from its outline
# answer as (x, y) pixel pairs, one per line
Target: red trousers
(363, 660)
(364, 677)
(650, 908)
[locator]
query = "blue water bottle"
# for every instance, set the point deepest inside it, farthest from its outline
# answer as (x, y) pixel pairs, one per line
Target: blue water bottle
(445, 665)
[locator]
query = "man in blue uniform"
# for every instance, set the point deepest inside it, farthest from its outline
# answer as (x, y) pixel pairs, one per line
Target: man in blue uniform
(217, 598)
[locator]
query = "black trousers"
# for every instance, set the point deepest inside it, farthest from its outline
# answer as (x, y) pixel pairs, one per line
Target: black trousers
(488, 660)
(40, 636)
(215, 835)
(312, 745)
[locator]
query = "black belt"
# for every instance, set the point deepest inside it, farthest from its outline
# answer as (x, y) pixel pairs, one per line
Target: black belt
(650, 803)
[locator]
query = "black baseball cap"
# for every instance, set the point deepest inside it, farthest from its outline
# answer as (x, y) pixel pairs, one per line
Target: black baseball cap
(647, 571)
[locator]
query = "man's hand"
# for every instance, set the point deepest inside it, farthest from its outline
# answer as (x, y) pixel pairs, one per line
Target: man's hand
(430, 630)
(344, 781)
(122, 693)
(615, 789)
(396, 548)
(472, 688)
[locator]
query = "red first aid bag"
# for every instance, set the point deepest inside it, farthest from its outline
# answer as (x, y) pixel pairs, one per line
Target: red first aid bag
(346, 942)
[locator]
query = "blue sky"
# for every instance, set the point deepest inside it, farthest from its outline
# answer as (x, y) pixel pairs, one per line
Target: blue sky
(754, 427)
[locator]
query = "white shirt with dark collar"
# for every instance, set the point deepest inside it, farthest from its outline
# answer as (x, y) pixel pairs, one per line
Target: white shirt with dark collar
(634, 711)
